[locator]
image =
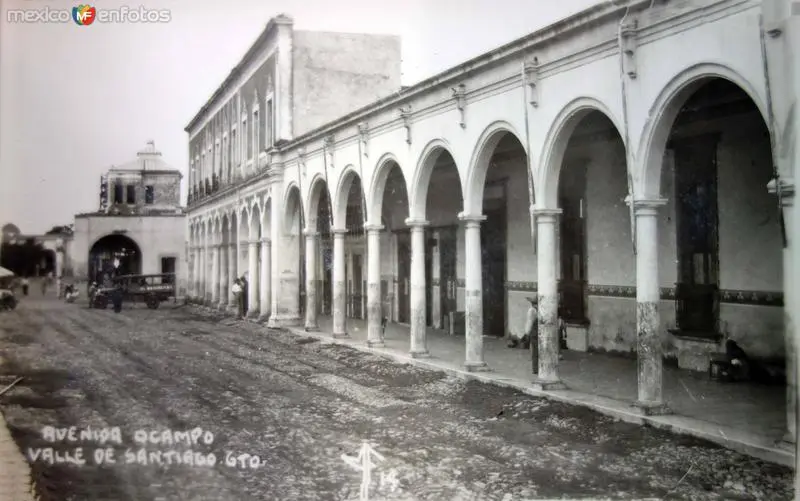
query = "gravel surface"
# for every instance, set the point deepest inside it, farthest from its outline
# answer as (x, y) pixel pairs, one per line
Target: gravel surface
(278, 411)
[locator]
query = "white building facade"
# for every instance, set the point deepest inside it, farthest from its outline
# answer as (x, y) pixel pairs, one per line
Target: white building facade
(140, 225)
(632, 167)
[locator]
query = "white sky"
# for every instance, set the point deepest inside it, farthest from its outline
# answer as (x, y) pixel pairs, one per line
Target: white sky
(76, 99)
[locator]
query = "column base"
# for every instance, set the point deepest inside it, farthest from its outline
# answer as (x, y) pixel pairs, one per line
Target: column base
(263, 319)
(340, 335)
(651, 408)
(252, 315)
(547, 384)
(419, 354)
(477, 367)
(375, 344)
(311, 328)
(786, 442)
(279, 322)
(222, 306)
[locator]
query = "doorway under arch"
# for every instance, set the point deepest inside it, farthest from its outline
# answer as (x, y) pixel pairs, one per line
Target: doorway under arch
(114, 255)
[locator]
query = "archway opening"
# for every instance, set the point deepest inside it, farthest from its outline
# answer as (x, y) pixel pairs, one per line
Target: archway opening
(594, 236)
(726, 239)
(444, 248)
(114, 255)
(506, 203)
(394, 212)
(47, 264)
(293, 274)
(254, 263)
(323, 214)
(355, 251)
(233, 238)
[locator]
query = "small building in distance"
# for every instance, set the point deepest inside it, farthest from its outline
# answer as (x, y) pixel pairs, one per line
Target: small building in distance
(140, 225)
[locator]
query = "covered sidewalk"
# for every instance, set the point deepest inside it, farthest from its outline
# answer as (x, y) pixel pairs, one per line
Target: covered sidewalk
(748, 418)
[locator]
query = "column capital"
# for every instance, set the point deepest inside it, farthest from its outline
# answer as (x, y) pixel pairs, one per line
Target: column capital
(253, 242)
(266, 241)
(232, 245)
(545, 215)
(784, 188)
(416, 223)
(339, 232)
(310, 232)
(370, 228)
(646, 207)
(471, 220)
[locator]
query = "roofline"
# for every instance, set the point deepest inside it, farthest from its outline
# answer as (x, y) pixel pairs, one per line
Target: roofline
(240, 67)
(150, 171)
(510, 49)
(84, 215)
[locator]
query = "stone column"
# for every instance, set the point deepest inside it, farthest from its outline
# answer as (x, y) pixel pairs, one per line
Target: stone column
(650, 341)
(231, 274)
(252, 277)
(204, 271)
(276, 233)
(222, 252)
(198, 260)
(547, 378)
(339, 325)
(791, 257)
(214, 273)
(790, 296)
(265, 279)
(190, 271)
(311, 280)
(419, 331)
(473, 292)
(374, 310)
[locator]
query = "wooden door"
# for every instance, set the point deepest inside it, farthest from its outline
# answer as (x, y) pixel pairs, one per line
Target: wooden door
(697, 291)
(403, 276)
(448, 280)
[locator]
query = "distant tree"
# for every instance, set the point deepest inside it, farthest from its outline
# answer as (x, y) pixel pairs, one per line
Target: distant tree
(61, 230)
(22, 258)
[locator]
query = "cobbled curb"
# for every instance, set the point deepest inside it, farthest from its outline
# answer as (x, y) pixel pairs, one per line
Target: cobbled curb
(674, 424)
(16, 483)
(602, 405)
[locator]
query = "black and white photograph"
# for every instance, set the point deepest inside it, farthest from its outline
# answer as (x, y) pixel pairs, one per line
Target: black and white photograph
(417, 250)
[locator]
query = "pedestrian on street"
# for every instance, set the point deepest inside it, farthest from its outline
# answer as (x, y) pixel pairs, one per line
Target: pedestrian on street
(236, 288)
(25, 286)
(245, 298)
(116, 298)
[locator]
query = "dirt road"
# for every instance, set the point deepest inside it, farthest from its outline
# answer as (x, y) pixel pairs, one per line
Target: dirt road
(184, 405)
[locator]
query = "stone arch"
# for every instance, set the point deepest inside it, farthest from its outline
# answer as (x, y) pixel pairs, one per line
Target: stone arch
(254, 223)
(104, 249)
(556, 142)
(224, 229)
(664, 111)
(349, 174)
(314, 197)
(378, 185)
(234, 225)
(292, 211)
(420, 182)
(266, 217)
(243, 216)
(479, 163)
